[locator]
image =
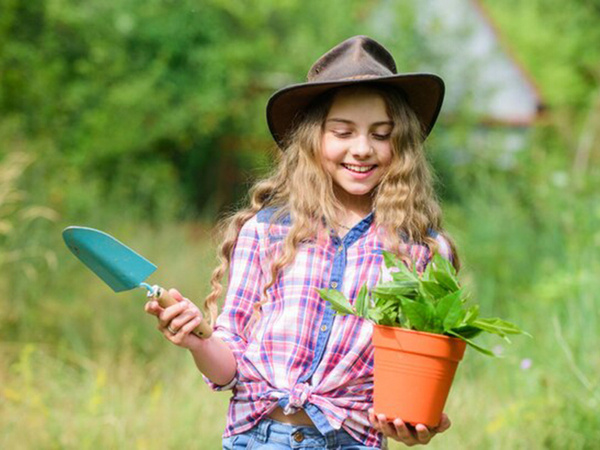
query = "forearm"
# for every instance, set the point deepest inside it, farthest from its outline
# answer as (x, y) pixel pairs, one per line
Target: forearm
(214, 359)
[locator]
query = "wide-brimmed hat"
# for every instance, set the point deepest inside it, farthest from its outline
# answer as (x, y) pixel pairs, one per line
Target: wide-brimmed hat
(357, 60)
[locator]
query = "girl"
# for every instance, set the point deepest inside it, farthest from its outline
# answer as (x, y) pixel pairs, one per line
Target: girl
(352, 181)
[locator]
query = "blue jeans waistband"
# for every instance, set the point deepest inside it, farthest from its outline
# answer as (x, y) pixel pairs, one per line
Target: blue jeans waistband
(272, 434)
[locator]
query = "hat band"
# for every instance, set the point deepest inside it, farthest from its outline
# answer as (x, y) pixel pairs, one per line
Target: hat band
(355, 77)
(361, 77)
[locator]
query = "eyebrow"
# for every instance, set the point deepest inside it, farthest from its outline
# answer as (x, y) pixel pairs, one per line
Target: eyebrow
(349, 122)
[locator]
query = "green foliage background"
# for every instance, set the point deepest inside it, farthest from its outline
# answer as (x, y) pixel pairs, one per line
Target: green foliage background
(146, 119)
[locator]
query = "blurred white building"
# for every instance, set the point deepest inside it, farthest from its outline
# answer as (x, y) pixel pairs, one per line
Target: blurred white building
(483, 77)
(477, 66)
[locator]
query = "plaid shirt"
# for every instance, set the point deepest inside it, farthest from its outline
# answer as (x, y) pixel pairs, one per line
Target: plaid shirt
(299, 354)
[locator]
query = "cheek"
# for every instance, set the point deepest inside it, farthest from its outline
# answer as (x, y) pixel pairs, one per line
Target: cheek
(328, 165)
(330, 152)
(385, 155)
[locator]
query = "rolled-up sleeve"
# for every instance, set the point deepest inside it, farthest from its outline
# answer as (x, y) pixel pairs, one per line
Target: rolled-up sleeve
(444, 247)
(243, 292)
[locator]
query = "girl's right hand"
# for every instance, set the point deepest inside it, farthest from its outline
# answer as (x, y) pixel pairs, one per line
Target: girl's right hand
(177, 322)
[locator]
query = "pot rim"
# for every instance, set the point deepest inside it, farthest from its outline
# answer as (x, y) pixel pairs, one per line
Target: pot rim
(418, 342)
(425, 333)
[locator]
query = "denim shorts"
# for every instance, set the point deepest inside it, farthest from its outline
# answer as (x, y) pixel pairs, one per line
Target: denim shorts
(272, 435)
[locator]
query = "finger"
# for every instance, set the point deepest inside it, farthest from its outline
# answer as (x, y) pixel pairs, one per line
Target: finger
(444, 424)
(171, 312)
(179, 321)
(182, 302)
(182, 333)
(176, 295)
(386, 427)
(403, 433)
(423, 434)
(152, 307)
(372, 418)
(389, 429)
(190, 326)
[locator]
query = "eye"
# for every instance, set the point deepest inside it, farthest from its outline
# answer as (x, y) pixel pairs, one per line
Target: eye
(382, 137)
(342, 134)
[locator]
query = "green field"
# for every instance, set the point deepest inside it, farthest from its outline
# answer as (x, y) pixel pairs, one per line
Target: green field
(146, 120)
(82, 367)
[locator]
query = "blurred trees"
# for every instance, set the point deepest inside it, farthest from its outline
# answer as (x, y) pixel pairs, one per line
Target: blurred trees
(157, 107)
(155, 102)
(116, 113)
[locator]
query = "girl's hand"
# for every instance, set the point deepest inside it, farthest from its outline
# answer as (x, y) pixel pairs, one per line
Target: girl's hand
(177, 321)
(408, 435)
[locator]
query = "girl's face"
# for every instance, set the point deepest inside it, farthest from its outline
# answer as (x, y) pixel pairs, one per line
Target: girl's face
(356, 145)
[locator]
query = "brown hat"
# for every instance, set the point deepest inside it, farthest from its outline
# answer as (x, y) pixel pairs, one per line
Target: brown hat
(357, 60)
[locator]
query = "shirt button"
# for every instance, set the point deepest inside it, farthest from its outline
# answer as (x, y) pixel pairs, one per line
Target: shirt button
(334, 284)
(298, 436)
(324, 328)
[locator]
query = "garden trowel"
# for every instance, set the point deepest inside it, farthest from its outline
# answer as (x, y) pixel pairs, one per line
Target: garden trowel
(119, 266)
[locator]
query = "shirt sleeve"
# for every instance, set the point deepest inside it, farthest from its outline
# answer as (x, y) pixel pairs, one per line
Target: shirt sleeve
(444, 247)
(244, 291)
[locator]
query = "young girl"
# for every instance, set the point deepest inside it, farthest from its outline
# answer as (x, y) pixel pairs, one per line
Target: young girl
(352, 180)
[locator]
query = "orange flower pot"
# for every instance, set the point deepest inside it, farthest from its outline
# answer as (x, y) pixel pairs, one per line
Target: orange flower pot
(413, 373)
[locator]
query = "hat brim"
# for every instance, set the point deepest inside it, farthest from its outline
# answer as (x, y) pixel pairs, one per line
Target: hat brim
(424, 93)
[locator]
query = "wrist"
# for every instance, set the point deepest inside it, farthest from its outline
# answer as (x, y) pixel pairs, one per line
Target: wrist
(200, 345)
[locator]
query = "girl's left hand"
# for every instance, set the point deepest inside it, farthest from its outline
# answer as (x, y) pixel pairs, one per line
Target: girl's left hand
(408, 435)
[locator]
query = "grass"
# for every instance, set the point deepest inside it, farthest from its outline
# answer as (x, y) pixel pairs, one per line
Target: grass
(109, 401)
(82, 367)
(85, 367)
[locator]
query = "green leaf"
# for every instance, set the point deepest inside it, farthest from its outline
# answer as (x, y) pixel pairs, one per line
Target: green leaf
(396, 288)
(449, 310)
(337, 300)
(385, 311)
(467, 331)
(401, 276)
(434, 289)
(444, 272)
(444, 279)
(418, 314)
(362, 302)
(497, 326)
(391, 260)
(443, 264)
(375, 315)
(472, 313)
(403, 273)
(469, 342)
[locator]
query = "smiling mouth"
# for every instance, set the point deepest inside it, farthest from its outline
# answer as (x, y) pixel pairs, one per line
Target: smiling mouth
(359, 169)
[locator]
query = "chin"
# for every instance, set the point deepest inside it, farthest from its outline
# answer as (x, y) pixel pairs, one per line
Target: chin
(360, 191)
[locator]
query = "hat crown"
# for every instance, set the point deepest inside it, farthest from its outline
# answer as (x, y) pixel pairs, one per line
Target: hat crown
(359, 57)
(358, 60)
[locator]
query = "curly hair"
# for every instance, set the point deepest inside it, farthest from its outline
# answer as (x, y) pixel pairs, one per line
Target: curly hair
(405, 205)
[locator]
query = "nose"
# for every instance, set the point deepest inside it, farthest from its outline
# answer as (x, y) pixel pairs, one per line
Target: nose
(362, 147)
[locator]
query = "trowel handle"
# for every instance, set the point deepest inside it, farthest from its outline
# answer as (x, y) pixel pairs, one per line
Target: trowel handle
(203, 331)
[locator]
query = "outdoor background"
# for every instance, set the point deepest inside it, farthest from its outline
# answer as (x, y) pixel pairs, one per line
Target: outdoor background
(146, 119)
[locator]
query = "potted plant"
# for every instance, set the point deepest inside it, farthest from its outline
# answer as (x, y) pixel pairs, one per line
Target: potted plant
(422, 325)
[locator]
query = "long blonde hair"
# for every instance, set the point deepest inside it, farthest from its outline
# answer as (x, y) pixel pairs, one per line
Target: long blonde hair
(404, 202)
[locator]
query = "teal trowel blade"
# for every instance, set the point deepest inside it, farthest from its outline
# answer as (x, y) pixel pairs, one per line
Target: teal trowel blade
(115, 263)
